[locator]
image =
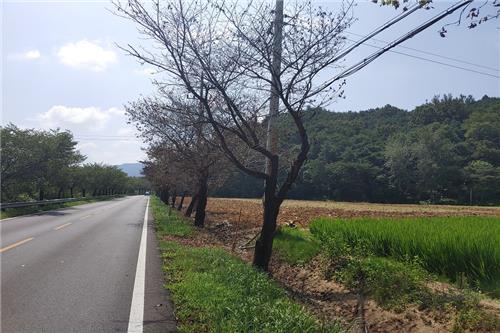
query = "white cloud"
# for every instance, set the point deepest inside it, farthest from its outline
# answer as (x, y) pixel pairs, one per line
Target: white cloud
(32, 54)
(103, 135)
(28, 55)
(86, 55)
(69, 117)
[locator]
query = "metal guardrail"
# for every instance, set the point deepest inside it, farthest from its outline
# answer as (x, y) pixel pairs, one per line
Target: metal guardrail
(35, 203)
(6, 205)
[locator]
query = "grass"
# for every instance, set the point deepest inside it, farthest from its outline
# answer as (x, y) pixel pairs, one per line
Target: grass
(295, 246)
(460, 248)
(169, 222)
(13, 212)
(214, 291)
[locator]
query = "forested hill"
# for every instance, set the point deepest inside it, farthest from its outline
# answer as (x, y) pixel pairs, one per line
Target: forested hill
(445, 151)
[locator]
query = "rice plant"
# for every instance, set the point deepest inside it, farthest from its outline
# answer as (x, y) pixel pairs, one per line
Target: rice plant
(460, 248)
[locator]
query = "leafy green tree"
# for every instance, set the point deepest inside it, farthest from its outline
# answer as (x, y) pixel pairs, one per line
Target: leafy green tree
(482, 133)
(58, 153)
(39, 164)
(400, 161)
(138, 185)
(484, 182)
(391, 155)
(443, 110)
(439, 166)
(35, 160)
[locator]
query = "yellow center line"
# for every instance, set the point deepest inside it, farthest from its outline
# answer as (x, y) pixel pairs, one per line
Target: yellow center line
(62, 226)
(15, 244)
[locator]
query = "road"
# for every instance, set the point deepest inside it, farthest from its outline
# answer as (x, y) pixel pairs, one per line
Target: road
(74, 270)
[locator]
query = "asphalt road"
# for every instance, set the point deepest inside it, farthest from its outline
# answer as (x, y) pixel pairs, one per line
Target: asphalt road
(73, 270)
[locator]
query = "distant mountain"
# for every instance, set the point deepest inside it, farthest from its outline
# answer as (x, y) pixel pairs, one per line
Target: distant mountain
(131, 169)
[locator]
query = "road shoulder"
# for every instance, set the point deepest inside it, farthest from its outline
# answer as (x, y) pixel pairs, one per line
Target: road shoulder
(158, 307)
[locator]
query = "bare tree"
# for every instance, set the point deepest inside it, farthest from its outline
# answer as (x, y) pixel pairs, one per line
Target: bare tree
(180, 143)
(157, 175)
(223, 53)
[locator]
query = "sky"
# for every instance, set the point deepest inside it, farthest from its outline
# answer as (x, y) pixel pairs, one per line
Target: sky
(61, 68)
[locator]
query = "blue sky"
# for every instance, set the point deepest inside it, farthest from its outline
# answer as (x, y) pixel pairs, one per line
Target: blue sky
(61, 68)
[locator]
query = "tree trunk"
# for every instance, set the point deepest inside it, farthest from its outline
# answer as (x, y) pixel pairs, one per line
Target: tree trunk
(41, 195)
(164, 196)
(192, 204)
(179, 208)
(199, 219)
(174, 198)
(59, 194)
(264, 244)
(71, 192)
(83, 192)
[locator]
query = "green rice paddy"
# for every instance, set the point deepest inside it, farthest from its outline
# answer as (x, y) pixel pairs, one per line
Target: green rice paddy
(459, 248)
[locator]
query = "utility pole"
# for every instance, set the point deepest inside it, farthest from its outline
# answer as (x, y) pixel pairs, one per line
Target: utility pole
(272, 135)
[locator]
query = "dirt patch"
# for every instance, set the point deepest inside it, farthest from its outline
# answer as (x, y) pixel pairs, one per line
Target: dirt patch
(247, 213)
(329, 300)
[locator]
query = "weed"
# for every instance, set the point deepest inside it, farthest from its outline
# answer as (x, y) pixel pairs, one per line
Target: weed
(295, 246)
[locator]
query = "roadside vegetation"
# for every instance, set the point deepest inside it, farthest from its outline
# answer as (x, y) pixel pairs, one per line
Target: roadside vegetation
(169, 222)
(214, 291)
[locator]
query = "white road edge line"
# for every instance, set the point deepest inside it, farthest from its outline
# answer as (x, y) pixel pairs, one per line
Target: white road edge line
(135, 321)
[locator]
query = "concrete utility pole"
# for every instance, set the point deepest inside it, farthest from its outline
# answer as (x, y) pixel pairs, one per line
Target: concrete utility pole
(272, 135)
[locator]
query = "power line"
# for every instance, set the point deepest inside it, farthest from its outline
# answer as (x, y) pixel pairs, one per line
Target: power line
(431, 53)
(361, 64)
(378, 30)
(433, 61)
(105, 139)
(103, 136)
